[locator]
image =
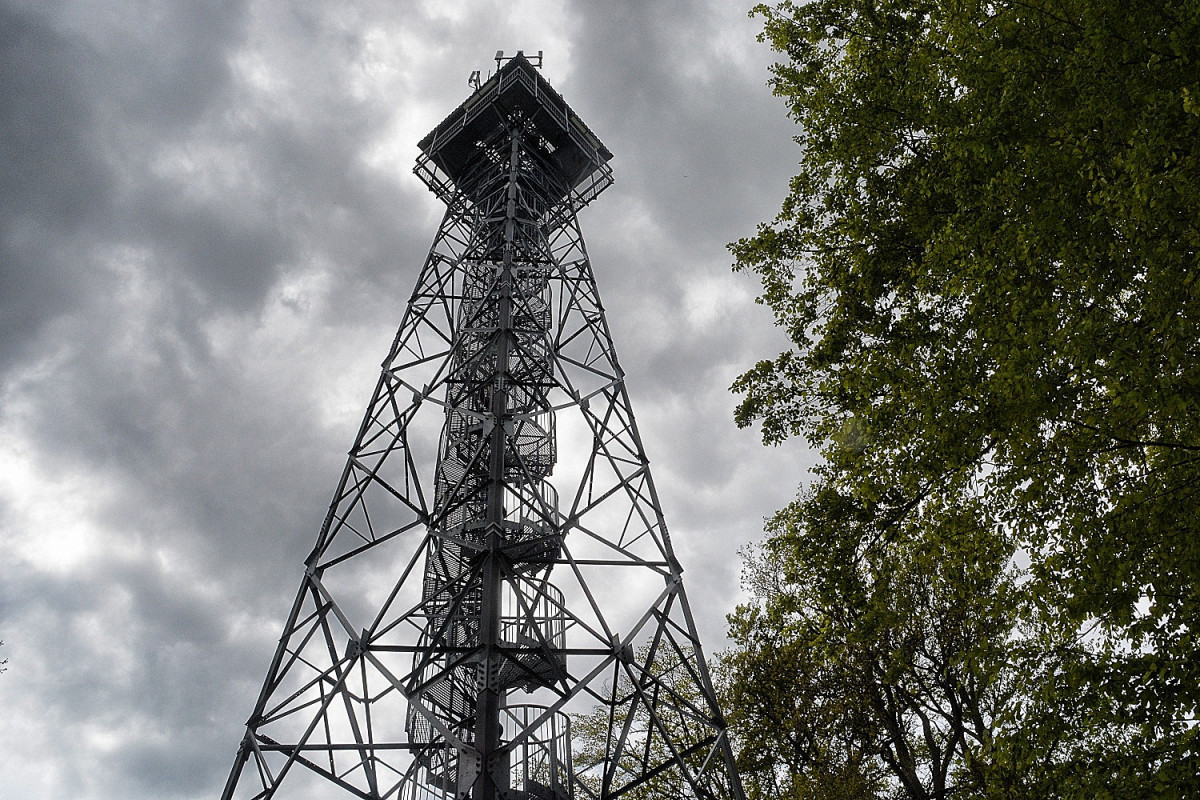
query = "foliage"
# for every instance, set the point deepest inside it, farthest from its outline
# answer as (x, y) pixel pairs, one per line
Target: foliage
(869, 669)
(987, 267)
(652, 719)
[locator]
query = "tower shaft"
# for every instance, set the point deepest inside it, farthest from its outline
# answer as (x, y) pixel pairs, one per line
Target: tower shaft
(490, 698)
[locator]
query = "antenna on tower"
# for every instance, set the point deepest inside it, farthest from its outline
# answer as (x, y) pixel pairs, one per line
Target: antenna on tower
(534, 60)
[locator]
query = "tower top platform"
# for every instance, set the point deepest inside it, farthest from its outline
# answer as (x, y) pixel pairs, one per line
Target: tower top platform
(517, 90)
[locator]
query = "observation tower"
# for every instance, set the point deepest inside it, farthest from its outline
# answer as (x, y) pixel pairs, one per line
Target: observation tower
(494, 568)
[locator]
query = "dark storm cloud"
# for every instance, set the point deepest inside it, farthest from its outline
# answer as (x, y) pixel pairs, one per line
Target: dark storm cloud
(684, 89)
(145, 200)
(679, 97)
(52, 183)
(83, 100)
(177, 186)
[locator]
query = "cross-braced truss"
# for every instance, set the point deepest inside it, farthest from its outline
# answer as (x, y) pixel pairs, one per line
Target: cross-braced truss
(495, 557)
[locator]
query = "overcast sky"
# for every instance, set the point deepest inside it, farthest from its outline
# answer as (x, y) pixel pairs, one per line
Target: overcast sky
(209, 227)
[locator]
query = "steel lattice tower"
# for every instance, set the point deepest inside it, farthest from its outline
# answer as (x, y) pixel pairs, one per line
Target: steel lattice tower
(450, 620)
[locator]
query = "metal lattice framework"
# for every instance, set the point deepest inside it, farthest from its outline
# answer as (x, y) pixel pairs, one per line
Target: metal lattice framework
(451, 620)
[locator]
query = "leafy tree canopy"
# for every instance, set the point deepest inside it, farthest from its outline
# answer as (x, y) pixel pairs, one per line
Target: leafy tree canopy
(988, 269)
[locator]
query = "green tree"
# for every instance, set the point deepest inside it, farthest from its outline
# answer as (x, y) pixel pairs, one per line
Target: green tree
(645, 739)
(988, 269)
(867, 669)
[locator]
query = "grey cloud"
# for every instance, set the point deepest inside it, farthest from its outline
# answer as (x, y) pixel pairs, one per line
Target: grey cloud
(52, 182)
(700, 136)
